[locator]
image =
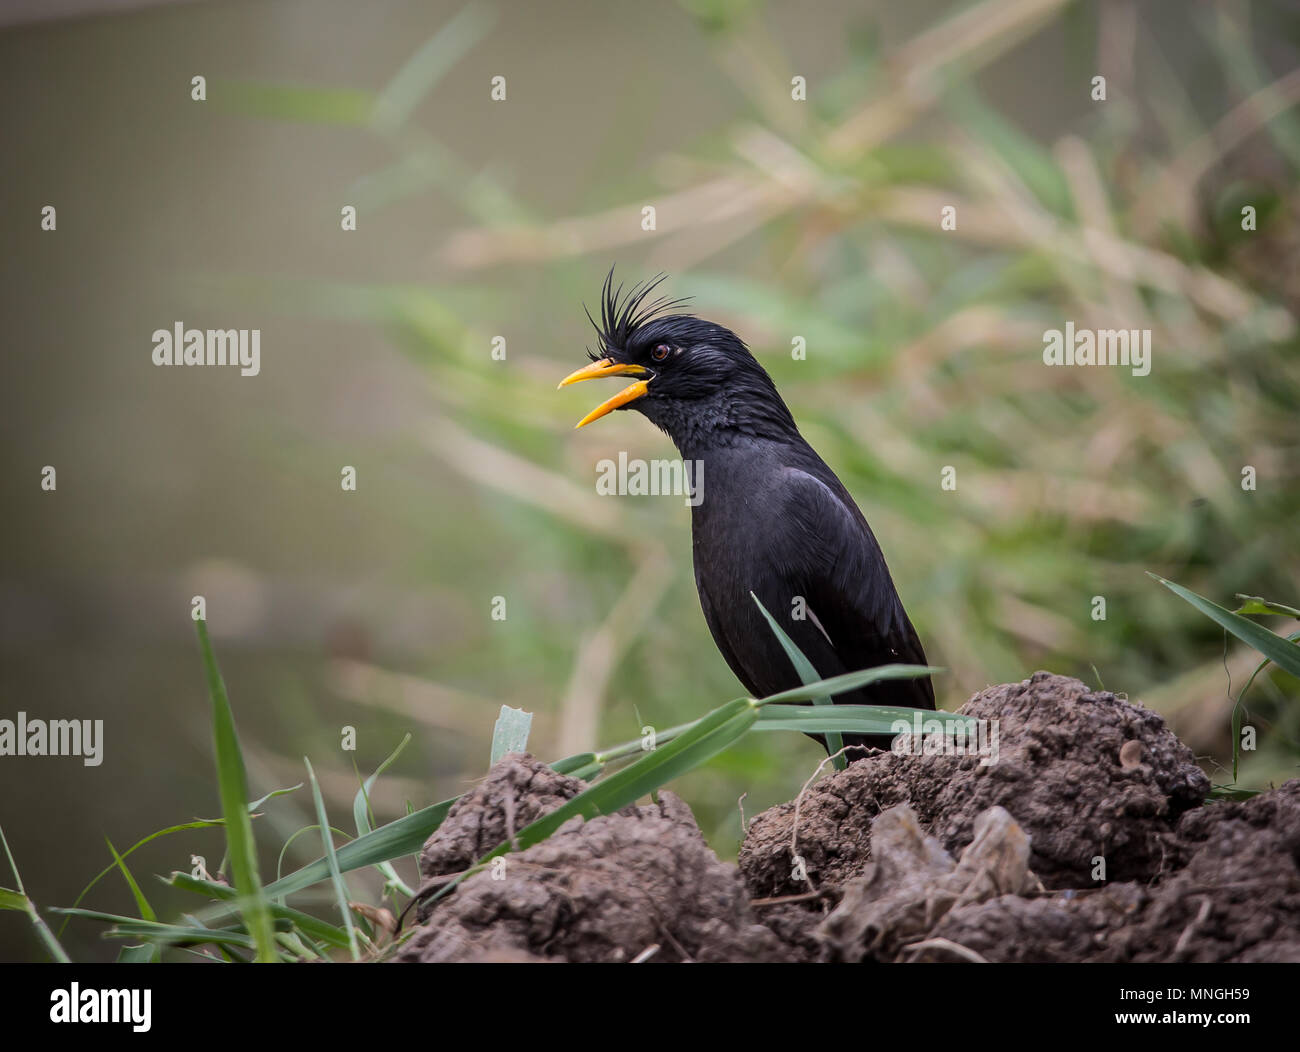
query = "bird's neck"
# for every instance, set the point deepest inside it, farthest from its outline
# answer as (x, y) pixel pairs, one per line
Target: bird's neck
(725, 421)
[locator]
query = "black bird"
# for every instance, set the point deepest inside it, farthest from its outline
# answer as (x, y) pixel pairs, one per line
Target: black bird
(771, 517)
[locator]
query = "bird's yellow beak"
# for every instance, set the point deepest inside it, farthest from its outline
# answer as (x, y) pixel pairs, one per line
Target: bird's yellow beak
(608, 367)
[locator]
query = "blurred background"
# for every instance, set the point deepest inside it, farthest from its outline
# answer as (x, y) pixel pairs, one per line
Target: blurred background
(478, 219)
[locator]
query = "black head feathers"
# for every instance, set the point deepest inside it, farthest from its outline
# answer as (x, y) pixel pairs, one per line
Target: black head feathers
(621, 315)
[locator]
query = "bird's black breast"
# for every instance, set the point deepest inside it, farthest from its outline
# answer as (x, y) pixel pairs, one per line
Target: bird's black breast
(775, 521)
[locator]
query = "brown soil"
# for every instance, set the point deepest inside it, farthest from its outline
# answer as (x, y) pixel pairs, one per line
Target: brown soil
(1086, 840)
(609, 889)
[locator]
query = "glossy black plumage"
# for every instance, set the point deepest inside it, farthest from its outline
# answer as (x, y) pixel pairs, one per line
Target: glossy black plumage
(774, 519)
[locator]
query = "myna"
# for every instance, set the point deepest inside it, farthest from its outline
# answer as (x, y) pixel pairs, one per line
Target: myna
(770, 518)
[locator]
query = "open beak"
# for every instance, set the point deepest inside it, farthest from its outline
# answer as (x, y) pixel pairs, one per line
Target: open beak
(608, 367)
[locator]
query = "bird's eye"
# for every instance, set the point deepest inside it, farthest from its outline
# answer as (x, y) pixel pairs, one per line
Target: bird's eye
(660, 352)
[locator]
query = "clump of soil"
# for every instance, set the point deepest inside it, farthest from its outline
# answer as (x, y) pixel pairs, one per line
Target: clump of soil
(1087, 840)
(1086, 774)
(911, 882)
(513, 795)
(610, 889)
(1236, 898)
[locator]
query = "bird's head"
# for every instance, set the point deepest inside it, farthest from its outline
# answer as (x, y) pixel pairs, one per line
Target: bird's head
(689, 376)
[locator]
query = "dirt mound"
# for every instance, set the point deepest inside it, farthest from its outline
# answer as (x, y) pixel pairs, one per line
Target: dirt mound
(1086, 838)
(609, 889)
(1237, 898)
(1086, 774)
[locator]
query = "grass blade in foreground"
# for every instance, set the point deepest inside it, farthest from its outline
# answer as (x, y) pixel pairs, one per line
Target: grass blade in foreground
(314, 927)
(853, 680)
(1238, 707)
(142, 904)
(854, 719)
(165, 934)
(1285, 653)
(807, 674)
(362, 814)
(233, 784)
(1282, 652)
(402, 837)
(18, 900)
(332, 861)
(1254, 604)
(510, 733)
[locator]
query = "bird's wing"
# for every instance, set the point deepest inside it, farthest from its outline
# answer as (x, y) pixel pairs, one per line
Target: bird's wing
(836, 561)
(722, 639)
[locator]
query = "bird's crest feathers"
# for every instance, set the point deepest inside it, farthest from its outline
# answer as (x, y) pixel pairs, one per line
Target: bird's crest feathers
(622, 314)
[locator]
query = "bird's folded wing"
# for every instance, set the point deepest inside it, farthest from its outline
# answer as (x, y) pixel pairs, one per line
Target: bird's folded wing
(837, 562)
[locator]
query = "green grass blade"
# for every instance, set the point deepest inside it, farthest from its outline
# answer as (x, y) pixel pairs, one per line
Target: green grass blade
(1238, 708)
(401, 837)
(273, 793)
(510, 733)
(574, 763)
(336, 877)
(178, 935)
(850, 719)
(156, 931)
(144, 954)
(586, 774)
(362, 813)
(198, 823)
(1282, 652)
(1236, 725)
(141, 903)
(18, 900)
(850, 681)
(808, 674)
(313, 828)
(233, 785)
(159, 930)
(1254, 604)
(311, 927)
